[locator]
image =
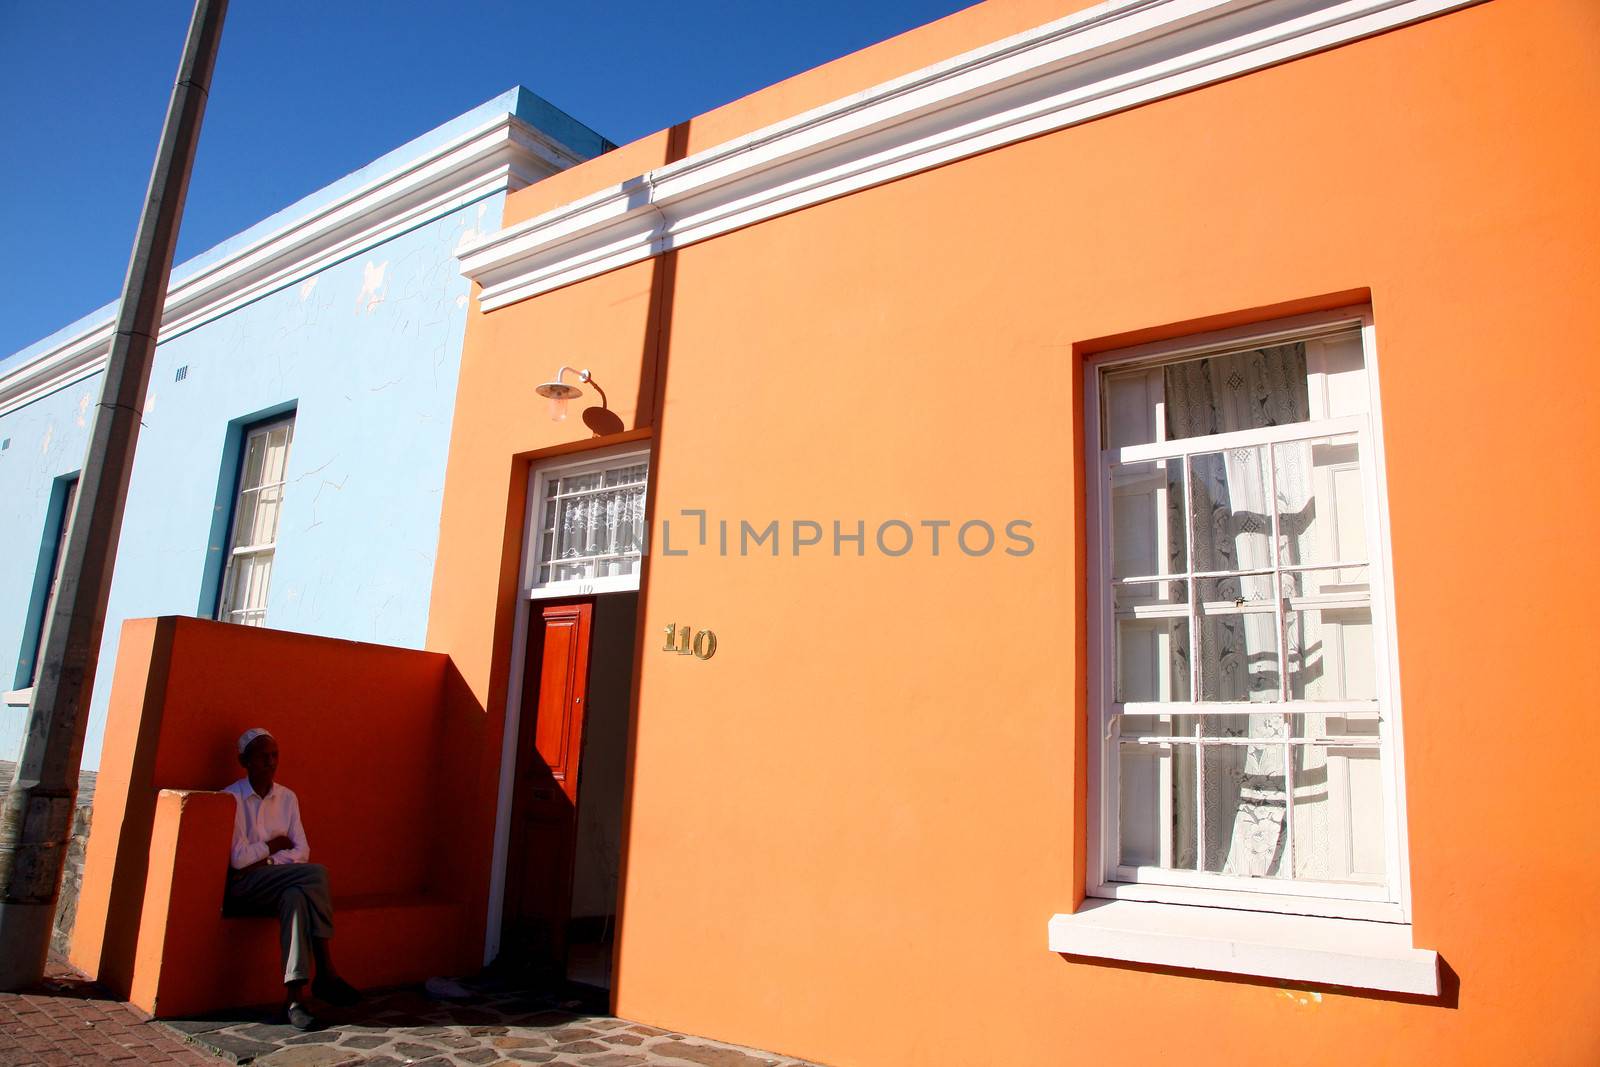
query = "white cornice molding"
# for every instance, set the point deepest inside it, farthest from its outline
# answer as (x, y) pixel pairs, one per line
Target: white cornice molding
(503, 154)
(1106, 59)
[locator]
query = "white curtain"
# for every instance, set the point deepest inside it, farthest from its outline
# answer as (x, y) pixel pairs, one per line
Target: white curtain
(1232, 507)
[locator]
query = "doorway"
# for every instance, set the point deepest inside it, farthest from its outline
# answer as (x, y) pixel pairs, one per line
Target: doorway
(565, 849)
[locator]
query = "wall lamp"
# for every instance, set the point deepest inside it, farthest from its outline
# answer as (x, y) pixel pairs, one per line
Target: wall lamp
(559, 392)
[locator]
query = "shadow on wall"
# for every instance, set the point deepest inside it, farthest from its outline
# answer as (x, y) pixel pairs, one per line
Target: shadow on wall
(601, 420)
(651, 402)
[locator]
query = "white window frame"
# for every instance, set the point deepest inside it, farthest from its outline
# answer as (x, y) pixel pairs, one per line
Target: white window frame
(225, 612)
(567, 466)
(1389, 903)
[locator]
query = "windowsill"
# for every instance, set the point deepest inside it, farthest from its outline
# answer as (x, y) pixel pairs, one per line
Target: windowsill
(1344, 952)
(19, 698)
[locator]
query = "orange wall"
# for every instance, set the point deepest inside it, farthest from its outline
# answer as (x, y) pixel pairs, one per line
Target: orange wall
(360, 727)
(853, 824)
(609, 327)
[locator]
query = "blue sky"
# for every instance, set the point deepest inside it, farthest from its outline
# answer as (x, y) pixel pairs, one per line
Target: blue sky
(306, 92)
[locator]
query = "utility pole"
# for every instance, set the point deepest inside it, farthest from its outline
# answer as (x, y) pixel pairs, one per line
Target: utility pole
(36, 821)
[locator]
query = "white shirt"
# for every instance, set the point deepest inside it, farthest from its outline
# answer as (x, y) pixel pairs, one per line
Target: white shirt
(258, 819)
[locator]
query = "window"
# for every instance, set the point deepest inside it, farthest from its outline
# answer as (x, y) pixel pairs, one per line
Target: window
(1243, 733)
(63, 497)
(253, 537)
(587, 519)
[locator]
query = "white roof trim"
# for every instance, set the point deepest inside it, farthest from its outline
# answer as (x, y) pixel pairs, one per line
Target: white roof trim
(504, 153)
(1105, 59)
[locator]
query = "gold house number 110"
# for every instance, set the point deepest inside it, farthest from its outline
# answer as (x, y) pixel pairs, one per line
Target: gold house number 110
(704, 644)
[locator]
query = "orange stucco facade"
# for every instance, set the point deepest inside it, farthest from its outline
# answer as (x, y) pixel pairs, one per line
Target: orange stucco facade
(852, 825)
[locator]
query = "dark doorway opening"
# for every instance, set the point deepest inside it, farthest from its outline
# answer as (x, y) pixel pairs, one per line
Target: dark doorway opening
(565, 851)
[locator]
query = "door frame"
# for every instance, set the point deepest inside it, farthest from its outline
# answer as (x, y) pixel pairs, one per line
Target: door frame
(512, 724)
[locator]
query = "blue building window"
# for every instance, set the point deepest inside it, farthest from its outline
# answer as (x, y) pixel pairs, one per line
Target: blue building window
(253, 533)
(63, 495)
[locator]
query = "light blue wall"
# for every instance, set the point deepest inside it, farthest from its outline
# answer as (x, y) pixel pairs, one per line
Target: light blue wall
(47, 440)
(367, 354)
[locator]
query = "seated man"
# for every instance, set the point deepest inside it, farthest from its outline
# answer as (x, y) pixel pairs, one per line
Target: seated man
(269, 873)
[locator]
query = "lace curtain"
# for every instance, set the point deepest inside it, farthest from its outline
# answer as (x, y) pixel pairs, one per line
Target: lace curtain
(1232, 508)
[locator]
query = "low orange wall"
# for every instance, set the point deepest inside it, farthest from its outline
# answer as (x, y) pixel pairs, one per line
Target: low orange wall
(360, 727)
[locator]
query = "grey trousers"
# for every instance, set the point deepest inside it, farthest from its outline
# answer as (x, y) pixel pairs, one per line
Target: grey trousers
(298, 894)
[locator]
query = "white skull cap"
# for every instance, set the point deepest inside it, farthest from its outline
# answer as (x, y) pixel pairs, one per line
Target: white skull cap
(249, 736)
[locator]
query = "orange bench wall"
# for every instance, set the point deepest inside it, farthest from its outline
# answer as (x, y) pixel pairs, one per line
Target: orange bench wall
(851, 826)
(360, 727)
(191, 960)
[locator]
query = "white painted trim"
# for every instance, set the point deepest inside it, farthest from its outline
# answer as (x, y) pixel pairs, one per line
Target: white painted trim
(1108, 58)
(1399, 856)
(508, 781)
(1296, 948)
(613, 583)
(1295, 327)
(18, 698)
(1240, 897)
(1221, 442)
(503, 154)
(1101, 830)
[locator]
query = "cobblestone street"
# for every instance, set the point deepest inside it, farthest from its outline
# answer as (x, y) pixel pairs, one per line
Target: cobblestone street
(70, 1021)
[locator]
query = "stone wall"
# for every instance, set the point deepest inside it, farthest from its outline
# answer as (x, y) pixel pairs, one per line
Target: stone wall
(72, 877)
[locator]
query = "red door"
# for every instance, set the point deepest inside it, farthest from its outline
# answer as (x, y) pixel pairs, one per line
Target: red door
(545, 799)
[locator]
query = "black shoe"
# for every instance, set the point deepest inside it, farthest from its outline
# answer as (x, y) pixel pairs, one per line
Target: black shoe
(300, 1018)
(336, 991)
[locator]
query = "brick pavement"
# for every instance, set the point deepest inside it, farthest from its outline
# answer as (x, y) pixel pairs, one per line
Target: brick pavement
(69, 1021)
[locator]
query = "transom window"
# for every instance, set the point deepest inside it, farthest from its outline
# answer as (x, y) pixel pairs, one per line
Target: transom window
(1245, 750)
(587, 523)
(253, 539)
